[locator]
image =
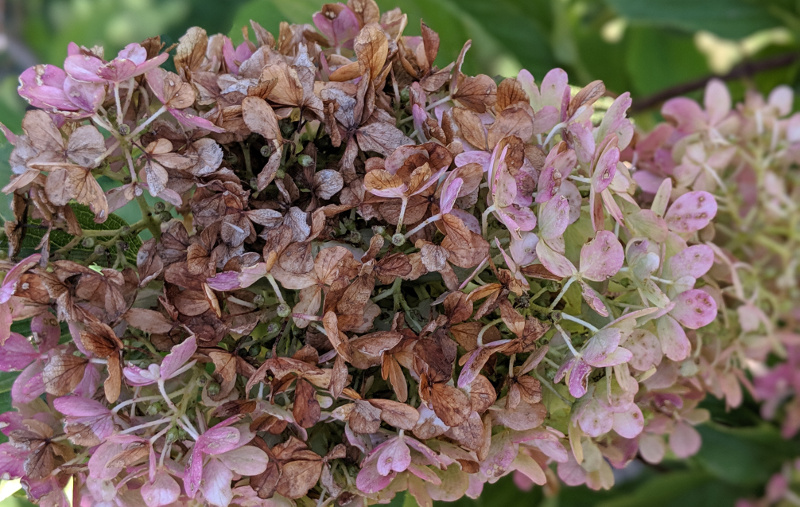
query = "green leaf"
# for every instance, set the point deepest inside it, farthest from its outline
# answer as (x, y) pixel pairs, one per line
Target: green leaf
(744, 456)
(58, 238)
(689, 488)
(658, 59)
(733, 19)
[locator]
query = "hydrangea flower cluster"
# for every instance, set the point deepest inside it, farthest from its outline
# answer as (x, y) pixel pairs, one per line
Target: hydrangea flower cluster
(366, 275)
(747, 157)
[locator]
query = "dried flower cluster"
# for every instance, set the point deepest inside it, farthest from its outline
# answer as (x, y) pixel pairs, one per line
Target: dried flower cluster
(366, 274)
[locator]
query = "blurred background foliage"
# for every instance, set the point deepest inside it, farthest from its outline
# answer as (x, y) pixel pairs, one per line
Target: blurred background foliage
(655, 49)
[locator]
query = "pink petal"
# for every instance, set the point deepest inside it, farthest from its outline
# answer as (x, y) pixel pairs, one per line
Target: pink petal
(646, 349)
(554, 217)
(13, 275)
(193, 121)
(684, 440)
(629, 424)
(602, 257)
(593, 299)
(694, 309)
(43, 87)
(164, 490)
(84, 68)
(674, 342)
(605, 170)
(246, 460)
(685, 113)
(370, 481)
(178, 357)
(393, 458)
(691, 212)
(216, 484)
(694, 261)
(217, 440)
(16, 353)
(578, 377)
(139, 377)
(78, 406)
(554, 261)
(717, 100)
(594, 419)
(29, 384)
(603, 343)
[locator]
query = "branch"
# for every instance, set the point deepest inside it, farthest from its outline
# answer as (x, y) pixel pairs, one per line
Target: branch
(742, 70)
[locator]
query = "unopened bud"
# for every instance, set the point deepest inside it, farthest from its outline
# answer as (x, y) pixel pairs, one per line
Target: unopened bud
(266, 151)
(154, 408)
(122, 245)
(273, 328)
(159, 207)
(304, 160)
(165, 216)
(99, 250)
(124, 129)
(284, 310)
(87, 242)
(379, 230)
(213, 389)
(279, 174)
(258, 299)
(398, 239)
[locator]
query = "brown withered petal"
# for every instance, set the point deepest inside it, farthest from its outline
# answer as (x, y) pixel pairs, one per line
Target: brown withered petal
(338, 377)
(298, 477)
(476, 93)
(482, 394)
(99, 339)
(260, 118)
(372, 48)
(509, 93)
(365, 417)
(113, 382)
(74, 182)
(63, 373)
(191, 49)
(397, 414)
(470, 127)
(469, 434)
(451, 405)
(224, 371)
(306, 409)
(381, 137)
(466, 248)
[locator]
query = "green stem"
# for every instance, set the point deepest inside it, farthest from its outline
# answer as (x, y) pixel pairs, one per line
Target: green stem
(147, 217)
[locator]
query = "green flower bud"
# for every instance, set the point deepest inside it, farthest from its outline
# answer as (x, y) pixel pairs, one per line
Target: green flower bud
(87, 242)
(304, 160)
(165, 216)
(213, 389)
(266, 151)
(99, 250)
(258, 300)
(284, 310)
(398, 239)
(159, 207)
(279, 174)
(154, 408)
(124, 129)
